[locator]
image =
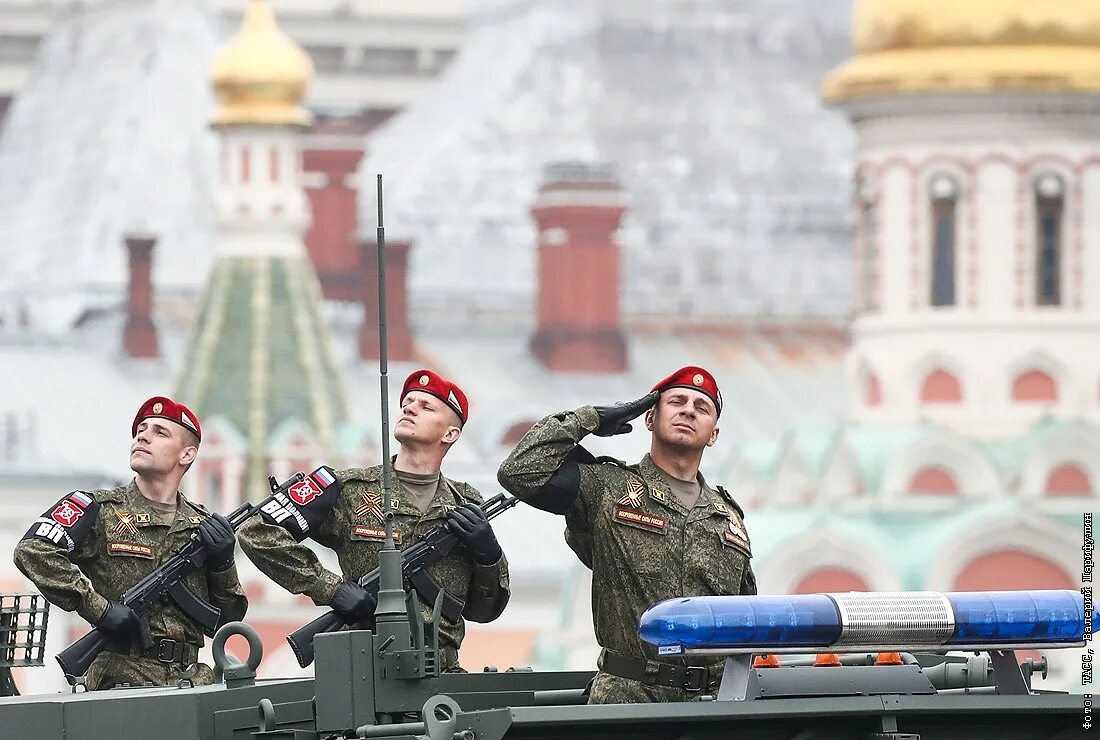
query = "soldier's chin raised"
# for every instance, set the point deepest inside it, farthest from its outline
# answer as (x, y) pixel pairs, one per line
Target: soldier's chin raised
(402, 432)
(140, 463)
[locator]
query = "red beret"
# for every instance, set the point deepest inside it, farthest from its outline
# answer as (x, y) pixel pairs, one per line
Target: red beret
(441, 388)
(162, 407)
(695, 378)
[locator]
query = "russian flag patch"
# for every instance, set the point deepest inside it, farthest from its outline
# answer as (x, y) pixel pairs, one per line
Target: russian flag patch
(323, 477)
(81, 498)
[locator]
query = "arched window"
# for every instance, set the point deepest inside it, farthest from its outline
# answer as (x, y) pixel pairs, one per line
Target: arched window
(868, 228)
(1011, 570)
(1034, 386)
(872, 390)
(830, 580)
(945, 201)
(934, 480)
(246, 164)
(273, 164)
(1068, 480)
(940, 386)
(1049, 211)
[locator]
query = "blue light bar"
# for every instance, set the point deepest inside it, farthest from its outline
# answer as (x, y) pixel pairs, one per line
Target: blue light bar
(992, 617)
(703, 621)
(860, 621)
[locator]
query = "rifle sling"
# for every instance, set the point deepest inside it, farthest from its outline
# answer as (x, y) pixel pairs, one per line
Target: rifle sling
(429, 589)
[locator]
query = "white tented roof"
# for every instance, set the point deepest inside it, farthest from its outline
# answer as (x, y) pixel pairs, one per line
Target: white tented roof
(109, 137)
(709, 111)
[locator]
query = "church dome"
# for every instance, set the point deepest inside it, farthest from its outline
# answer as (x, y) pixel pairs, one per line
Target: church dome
(948, 46)
(260, 76)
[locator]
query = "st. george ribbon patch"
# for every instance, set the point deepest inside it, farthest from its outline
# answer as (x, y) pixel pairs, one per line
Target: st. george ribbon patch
(633, 516)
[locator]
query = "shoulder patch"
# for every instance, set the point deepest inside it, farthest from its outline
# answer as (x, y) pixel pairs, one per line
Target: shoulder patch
(68, 522)
(300, 509)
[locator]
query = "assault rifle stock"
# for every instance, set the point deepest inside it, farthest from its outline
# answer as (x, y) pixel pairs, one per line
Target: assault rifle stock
(414, 563)
(166, 580)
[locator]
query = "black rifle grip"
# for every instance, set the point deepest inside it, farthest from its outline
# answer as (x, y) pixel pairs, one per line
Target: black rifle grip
(77, 658)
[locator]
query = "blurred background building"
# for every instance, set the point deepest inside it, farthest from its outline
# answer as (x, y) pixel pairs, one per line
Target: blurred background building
(875, 224)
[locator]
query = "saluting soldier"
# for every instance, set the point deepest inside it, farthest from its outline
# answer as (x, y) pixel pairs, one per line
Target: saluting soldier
(348, 519)
(651, 531)
(86, 550)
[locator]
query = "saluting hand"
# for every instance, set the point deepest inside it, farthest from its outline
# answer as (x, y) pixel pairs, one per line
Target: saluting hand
(616, 419)
(218, 536)
(471, 526)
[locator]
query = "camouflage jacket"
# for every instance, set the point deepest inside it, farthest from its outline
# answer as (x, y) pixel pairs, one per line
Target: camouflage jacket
(344, 519)
(90, 547)
(640, 541)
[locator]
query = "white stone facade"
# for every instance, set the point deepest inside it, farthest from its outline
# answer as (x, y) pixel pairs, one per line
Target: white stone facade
(261, 202)
(1000, 154)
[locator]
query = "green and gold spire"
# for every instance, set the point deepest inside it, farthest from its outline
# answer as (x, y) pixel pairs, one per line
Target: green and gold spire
(260, 354)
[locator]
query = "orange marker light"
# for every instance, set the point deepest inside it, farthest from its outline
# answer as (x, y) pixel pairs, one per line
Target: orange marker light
(827, 659)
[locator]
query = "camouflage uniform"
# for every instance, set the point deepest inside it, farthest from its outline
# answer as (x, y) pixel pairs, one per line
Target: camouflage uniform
(91, 547)
(347, 521)
(640, 541)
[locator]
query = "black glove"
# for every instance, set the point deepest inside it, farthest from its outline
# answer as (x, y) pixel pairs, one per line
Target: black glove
(122, 624)
(218, 536)
(615, 419)
(352, 602)
(468, 522)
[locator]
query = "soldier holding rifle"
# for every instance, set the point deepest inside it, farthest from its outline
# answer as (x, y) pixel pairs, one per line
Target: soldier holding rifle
(649, 532)
(87, 549)
(349, 519)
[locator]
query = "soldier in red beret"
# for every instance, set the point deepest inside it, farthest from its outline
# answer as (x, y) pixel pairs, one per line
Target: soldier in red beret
(343, 511)
(651, 531)
(91, 546)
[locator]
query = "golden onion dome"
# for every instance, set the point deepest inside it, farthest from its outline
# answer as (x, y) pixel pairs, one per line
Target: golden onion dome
(260, 76)
(947, 46)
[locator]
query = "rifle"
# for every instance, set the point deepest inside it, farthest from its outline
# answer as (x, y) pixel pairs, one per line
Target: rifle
(167, 579)
(414, 563)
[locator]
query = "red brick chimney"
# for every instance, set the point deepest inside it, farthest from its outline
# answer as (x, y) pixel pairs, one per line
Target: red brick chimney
(330, 160)
(331, 238)
(577, 213)
(139, 339)
(398, 334)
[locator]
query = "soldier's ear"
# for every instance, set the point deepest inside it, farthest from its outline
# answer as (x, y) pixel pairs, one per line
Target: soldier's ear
(451, 435)
(649, 420)
(713, 437)
(188, 455)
